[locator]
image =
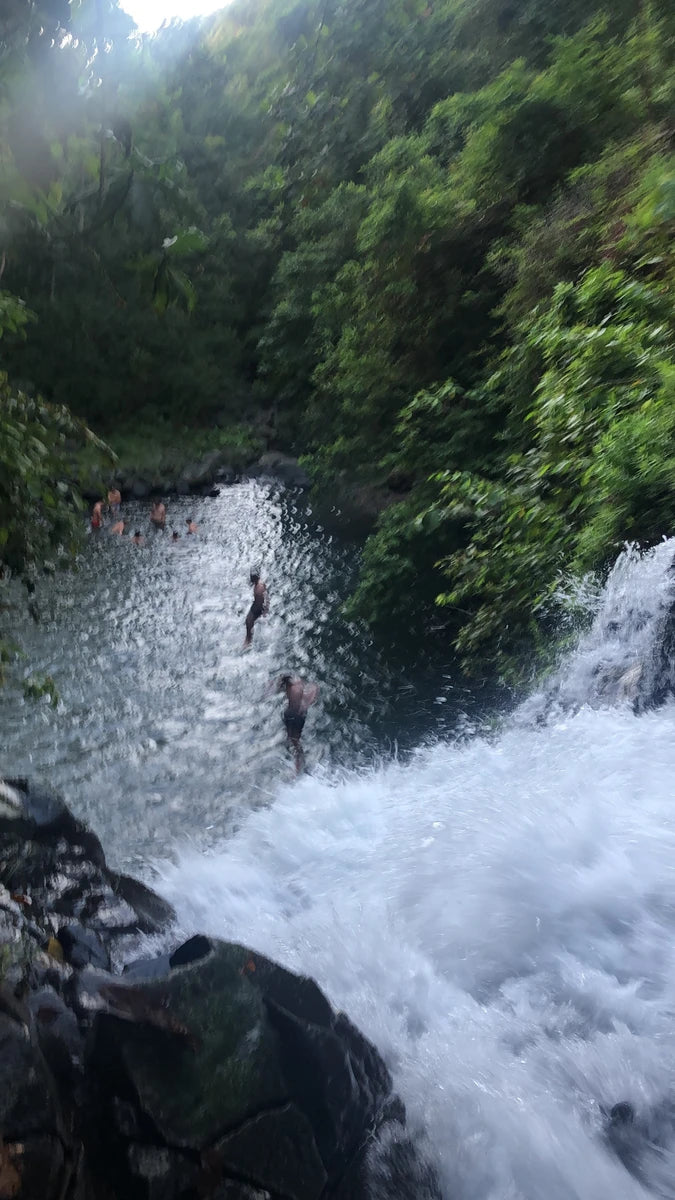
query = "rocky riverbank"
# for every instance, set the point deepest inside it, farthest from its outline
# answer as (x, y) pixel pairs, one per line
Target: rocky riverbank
(202, 477)
(206, 1071)
(212, 472)
(201, 462)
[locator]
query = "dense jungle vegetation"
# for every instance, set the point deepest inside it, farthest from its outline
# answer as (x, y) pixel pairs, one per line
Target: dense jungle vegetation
(429, 241)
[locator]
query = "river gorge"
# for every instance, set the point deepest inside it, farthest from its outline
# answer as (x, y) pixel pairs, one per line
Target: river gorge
(492, 905)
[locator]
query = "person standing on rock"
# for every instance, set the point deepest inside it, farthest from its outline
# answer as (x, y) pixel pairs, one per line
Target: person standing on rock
(97, 515)
(259, 608)
(158, 514)
(299, 694)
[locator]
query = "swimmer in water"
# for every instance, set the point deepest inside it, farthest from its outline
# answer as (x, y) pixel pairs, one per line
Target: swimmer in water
(158, 514)
(138, 538)
(191, 527)
(118, 527)
(299, 695)
(114, 501)
(259, 607)
(175, 536)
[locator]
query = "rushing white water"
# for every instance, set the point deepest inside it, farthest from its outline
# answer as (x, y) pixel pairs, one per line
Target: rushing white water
(620, 655)
(498, 915)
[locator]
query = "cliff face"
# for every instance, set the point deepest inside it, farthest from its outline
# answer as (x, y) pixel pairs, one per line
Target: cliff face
(208, 1071)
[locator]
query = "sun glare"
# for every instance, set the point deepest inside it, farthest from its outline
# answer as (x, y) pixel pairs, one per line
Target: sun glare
(150, 14)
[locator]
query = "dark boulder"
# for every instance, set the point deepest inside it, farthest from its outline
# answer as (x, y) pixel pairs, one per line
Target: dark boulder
(242, 1068)
(32, 1135)
(226, 475)
(35, 812)
(147, 968)
(200, 475)
(65, 879)
(657, 682)
(283, 467)
(209, 1071)
(83, 947)
(277, 1151)
(58, 1032)
(153, 913)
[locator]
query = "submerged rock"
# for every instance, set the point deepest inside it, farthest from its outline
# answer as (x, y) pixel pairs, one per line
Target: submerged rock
(639, 1137)
(209, 1071)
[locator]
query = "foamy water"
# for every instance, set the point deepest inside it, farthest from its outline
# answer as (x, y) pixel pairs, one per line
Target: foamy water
(498, 915)
(625, 639)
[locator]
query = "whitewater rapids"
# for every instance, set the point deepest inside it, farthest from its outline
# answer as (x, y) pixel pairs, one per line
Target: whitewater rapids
(498, 916)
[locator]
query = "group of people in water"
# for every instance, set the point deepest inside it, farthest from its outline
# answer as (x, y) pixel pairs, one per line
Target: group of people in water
(300, 694)
(119, 525)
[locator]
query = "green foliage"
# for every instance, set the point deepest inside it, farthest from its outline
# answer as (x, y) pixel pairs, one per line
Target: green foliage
(591, 461)
(428, 244)
(400, 575)
(630, 481)
(39, 503)
(161, 450)
(14, 316)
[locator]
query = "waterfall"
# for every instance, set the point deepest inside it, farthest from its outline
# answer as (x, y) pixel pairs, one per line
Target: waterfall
(621, 656)
(498, 915)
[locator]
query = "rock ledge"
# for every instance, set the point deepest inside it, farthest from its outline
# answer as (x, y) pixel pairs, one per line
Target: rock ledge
(207, 1073)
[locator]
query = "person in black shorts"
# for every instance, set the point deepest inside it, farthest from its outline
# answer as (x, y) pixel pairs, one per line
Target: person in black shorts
(299, 695)
(258, 608)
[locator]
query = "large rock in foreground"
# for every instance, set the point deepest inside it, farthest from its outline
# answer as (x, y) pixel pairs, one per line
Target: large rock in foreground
(209, 1073)
(242, 1071)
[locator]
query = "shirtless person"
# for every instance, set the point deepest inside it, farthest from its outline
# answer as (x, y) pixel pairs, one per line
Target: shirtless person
(191, 527)
(299, 695)
(114, 501)
(158, 514)
(258, 608)
(118, 527)
(97, 515)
